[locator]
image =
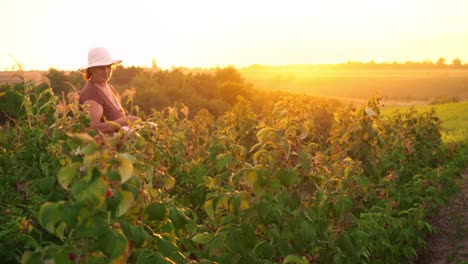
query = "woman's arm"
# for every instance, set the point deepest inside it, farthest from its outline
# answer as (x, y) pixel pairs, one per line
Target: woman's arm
(95, 111)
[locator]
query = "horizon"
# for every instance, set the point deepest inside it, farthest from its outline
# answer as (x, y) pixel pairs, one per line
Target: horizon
(446, 64)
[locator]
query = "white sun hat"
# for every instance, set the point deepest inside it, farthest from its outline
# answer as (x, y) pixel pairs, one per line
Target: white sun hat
(100, 56)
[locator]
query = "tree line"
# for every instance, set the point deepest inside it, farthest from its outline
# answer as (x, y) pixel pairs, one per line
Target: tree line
(440, 63)
(144, 90)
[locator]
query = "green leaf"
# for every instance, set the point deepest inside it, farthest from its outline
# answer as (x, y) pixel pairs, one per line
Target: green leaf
(128, 156)
(49, 216)
(363, 181)
(263, 177)
(222, 160)
(269, 212)
(32, 257)
(63, 255)
(168, 248)
(136, 233)
(304, 132)
(263, 132)
(89, 149)
(61, 230)
(178, 217)
(93, 192)
(113, 244)
(29, 242)
(72, 144)
(208, 206)
(97, 258)
(251, 178)
(126, 201)
(256, 146)
(292, 259)
(288, 177)
(342, 205)
(157, 211)
(249, 237)
(114, 176)
(306, 232)
(70, 213)
(46, 185)
(348, 244)
(202, 238)
(169, 182)
(257, 155)
(234, 239)
(83, 137)
(145, 256)
(348, 170)
(125, 167)
(92, 227)
(66, 174)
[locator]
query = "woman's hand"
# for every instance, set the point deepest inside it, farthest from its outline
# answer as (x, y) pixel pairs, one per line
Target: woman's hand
(132, 118)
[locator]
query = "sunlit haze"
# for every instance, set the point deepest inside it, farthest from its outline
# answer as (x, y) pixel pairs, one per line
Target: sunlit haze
(58, 33)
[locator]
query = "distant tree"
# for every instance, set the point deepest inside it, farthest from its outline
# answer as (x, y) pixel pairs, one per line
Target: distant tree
(154, 65)
(122, 76)
(58, 81)
(440, 62)
(427, 64)
(76, 80)
(457, 63)
(229, 74)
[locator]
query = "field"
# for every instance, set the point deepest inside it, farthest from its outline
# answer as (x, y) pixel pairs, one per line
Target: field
(453, 115)
(395, 85)
(8, 77)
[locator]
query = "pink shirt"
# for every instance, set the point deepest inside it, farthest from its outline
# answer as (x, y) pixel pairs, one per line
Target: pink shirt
(112, 109)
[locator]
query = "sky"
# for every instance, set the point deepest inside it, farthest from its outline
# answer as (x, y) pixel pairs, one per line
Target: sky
(43, 34)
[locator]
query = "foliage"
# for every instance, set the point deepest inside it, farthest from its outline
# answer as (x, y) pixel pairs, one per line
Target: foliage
(444, 100)
(310, 181)
(451, 114)
(62, 82)
(215, 90)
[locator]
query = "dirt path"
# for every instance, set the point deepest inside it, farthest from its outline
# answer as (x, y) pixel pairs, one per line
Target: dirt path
(450, 245)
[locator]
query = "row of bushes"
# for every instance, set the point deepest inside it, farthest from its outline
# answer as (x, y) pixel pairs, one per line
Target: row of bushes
(309, 181)
(214, 90)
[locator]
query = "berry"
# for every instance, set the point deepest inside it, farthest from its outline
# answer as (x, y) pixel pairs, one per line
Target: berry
(117, 225)
(278, 259)
(7, 211)
(109, 193)
(72, 256)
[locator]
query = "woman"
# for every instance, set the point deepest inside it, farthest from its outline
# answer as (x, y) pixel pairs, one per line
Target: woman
(98, 97)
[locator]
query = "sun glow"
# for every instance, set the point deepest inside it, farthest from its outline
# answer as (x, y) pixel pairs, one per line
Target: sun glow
(206, 33)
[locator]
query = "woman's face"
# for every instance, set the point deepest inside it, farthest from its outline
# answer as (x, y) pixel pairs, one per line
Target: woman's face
(101, 73)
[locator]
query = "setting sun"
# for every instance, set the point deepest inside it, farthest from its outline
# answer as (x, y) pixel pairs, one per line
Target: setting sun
(52, 33)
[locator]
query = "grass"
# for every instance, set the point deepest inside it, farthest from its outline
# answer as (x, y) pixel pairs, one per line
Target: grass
(454, 116)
